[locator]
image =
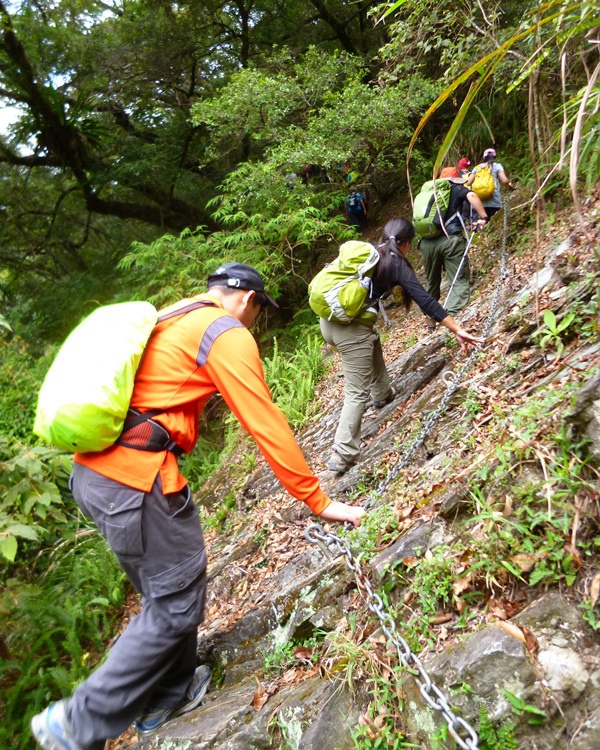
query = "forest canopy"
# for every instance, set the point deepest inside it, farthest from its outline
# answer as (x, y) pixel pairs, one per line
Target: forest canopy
(140, 121)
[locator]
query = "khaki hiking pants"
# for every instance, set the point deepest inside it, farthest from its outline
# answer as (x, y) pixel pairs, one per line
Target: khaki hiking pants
(365, 375)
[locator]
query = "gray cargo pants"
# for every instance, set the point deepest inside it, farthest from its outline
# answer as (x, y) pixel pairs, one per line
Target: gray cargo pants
(158, 542)
(365, 374)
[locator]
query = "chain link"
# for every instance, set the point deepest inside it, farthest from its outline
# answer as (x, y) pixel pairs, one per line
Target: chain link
(432, 695)
(451, 380)
(460, 730)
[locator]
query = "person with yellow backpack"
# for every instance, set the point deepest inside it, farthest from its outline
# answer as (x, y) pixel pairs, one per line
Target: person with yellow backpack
(142, 504)
(485, 181)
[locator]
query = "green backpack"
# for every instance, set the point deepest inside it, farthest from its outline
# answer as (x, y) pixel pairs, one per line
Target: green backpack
(340, 290)
(85, 395)
(426, 212)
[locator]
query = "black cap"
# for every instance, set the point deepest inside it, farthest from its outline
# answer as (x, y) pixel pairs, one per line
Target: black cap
(240, 276)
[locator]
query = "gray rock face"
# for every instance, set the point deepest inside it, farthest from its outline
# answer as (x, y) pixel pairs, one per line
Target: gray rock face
(492, 661)
(564, 671)
(416, 541)
(586, 412)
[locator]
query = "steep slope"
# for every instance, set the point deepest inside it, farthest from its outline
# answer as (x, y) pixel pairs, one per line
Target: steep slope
(484, 547)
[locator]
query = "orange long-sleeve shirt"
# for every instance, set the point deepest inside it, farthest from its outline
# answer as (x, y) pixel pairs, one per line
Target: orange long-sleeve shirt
(187, 360)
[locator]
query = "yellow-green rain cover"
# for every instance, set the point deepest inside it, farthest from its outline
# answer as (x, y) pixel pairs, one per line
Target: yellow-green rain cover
(85, 396)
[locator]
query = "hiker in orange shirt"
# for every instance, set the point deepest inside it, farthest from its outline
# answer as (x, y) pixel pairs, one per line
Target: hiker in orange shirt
(141, 503)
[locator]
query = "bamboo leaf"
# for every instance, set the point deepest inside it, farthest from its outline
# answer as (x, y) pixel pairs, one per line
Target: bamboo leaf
(390, 10)
(459, 119)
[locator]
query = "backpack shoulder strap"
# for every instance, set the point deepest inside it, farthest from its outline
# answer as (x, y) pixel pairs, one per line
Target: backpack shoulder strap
(134, 417)
(185, 309)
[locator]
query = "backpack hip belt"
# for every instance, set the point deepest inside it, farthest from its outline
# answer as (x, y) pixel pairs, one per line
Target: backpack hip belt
(142, 433)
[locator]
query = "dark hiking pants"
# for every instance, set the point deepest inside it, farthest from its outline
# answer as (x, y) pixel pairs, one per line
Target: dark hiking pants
(158, 542)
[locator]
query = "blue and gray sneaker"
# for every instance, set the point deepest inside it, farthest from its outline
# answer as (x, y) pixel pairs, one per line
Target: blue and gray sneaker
(152, 720)
(51, 729)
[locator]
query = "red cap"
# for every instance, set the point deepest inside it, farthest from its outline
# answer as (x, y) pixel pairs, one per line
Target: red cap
(464, 163)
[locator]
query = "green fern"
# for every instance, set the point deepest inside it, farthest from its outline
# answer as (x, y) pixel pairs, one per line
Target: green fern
(495, 738)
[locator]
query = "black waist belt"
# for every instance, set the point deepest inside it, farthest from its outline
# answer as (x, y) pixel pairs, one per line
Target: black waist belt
(143, 434)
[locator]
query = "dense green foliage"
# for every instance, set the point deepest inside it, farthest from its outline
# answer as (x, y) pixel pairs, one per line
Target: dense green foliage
(61, 587)
(142, 118)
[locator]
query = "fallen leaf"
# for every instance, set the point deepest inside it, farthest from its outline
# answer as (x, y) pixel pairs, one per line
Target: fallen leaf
(303, 654)
(461, 585)
(260, 696)
(525, 561)
(531, 642)
(497, 609)
(595, 589)
(379, 721)
(289, 676)
(513, 630)
(428, 555)
(441, 617)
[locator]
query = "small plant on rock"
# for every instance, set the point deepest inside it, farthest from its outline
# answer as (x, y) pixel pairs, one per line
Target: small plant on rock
(551, 333)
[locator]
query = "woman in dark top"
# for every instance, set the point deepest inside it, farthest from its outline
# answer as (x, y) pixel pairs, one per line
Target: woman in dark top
(360, 347)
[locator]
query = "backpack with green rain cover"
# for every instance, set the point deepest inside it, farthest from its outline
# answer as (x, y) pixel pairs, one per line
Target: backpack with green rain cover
(427, 212)
(339, 292)
(85, 395)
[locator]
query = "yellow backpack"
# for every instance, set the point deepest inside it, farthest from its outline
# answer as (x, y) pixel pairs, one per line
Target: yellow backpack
(484, 184)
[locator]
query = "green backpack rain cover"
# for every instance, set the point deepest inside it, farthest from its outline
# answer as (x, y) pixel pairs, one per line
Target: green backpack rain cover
(85, 396)
(340, 290)
(426, 212)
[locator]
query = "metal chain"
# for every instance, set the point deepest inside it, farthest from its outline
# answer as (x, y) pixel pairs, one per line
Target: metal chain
(432, 695)
(451, 380)
(315, 534)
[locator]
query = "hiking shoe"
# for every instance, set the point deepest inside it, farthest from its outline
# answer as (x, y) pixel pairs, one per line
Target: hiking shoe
(152, 720)
(52, 731)
(338, 464)
(386, 401)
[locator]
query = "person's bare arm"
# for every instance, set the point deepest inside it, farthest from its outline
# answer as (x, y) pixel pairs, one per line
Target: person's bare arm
(475, 201)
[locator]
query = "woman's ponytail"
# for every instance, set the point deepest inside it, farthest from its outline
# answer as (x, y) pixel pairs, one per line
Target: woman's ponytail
(395, 233)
